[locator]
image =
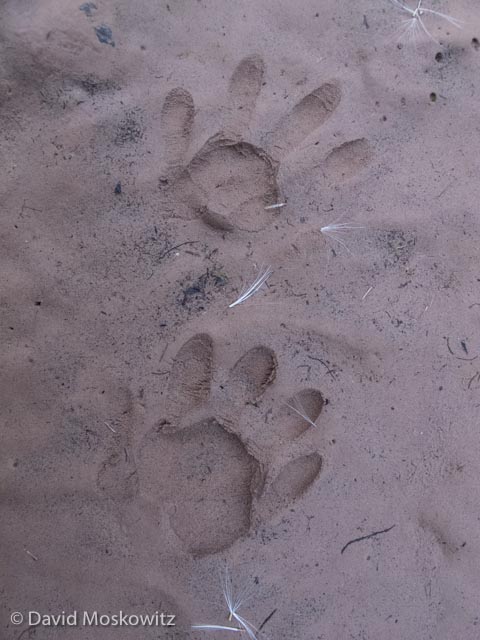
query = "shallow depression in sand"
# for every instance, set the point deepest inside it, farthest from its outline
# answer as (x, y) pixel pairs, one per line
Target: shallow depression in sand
(208, 474)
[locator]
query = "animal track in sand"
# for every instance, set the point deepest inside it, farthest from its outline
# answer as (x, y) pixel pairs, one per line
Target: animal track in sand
(110, 405)
(194, 362)
(208, 473)
(198, 465)
(229, 181)
(345, 161)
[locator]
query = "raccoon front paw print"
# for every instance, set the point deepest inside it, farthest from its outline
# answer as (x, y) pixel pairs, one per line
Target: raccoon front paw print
(209, 461)
(230, 183)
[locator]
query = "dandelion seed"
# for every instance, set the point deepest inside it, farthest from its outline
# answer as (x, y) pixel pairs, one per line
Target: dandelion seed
(233, 604)
(336, 232)
(29, 553)
(254, 287)
(279, 205)
(109, 426)
(214, 627)
(413, 26)
(366, 293)
(300, 410)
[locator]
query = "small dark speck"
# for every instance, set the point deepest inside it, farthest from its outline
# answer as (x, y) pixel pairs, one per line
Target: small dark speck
(118, 188)
(317, 15)
(433, 97)
(38, 303)
(384, 118)
(475, 44)
(105, 35)
(439, 56)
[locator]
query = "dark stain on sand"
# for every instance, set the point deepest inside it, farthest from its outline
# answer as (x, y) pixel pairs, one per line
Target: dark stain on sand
(105, 35)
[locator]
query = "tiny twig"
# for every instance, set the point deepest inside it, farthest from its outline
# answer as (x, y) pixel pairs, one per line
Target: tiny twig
(366, 293)
(110, 427)
(444, 190)
(177, 246)
(475, 376)
(448, 346)
(370, 535)
(31, 555)
(163, 353)
(278, 205)
(458, 357)
(27, 630)
(267, 619)
(24, 206)
(331, 372)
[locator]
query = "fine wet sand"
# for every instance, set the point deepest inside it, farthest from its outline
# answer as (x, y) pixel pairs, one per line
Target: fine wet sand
(151, 433)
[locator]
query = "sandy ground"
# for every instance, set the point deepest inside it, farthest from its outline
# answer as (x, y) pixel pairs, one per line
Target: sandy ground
(146, 436)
